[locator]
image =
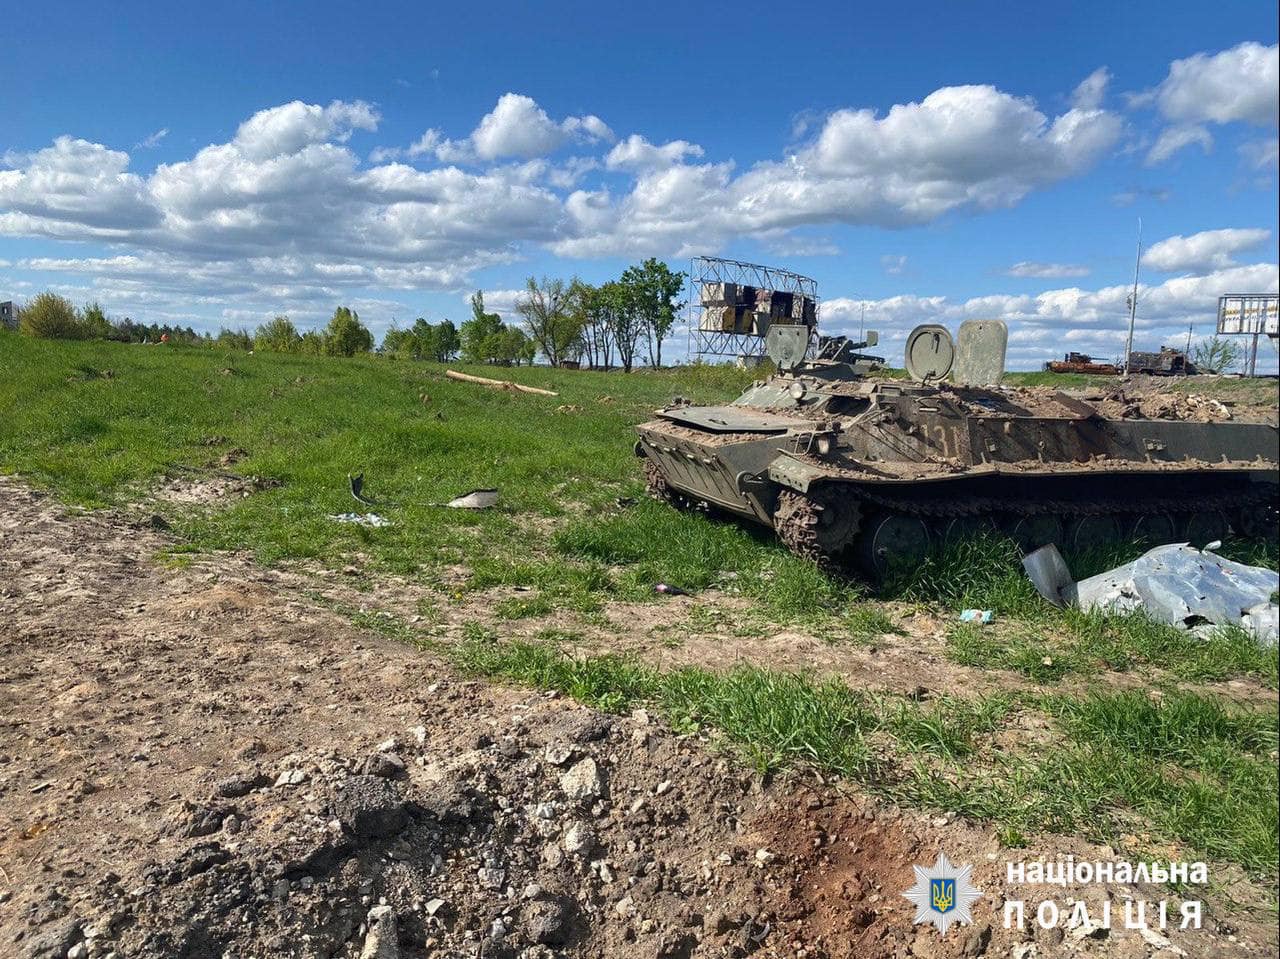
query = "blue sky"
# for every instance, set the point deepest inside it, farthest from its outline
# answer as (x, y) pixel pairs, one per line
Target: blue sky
(219, 165)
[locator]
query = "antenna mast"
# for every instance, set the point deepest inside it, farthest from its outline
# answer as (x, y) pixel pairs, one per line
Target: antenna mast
(1133, 303)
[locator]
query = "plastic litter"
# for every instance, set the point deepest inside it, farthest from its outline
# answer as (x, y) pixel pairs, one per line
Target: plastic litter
(982, 616)
(361, 519)
(476, 499)
(666, 589)
(1195, 590)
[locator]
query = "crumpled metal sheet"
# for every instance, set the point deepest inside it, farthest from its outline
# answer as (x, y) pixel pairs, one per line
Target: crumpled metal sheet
(1188, 588)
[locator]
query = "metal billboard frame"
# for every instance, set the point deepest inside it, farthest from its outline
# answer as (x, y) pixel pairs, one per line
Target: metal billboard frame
(711, 269)
(1258, 315)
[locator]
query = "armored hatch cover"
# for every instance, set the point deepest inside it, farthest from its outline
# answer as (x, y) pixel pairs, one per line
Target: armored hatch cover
(731, 419)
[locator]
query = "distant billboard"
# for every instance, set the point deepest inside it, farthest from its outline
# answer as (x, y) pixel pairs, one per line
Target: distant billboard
(1249, 313)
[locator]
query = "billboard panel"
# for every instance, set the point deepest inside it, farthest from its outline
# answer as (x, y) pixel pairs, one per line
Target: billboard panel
(1249, 313)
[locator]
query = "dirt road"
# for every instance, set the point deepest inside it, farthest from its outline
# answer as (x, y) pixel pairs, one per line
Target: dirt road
(200, 761)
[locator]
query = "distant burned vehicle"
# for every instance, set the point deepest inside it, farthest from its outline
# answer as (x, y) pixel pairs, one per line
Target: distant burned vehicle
(1081, 363)
(1166, 362)
(847, 468)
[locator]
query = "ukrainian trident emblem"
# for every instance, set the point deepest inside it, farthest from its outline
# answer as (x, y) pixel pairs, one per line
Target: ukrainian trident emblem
(943, 895)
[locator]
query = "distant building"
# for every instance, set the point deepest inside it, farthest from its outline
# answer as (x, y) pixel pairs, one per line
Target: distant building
(9, 315)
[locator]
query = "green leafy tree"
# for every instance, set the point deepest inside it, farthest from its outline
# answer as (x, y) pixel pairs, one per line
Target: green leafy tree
(346, 335)
(312, 343)
(227, 339)
(439, 341)
(590, 306)
(477, 333)
(277, 335)
(652, 289)
(1215, 355)
(554, 326)
(398, 342)
(619, 312)
(94, 324)
(50, 317)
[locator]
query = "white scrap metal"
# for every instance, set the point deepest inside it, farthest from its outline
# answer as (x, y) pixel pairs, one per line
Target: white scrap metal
(1192, 589)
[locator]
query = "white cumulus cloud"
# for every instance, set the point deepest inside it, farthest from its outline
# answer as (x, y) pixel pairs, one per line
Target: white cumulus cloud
(1202, 252)
(1172, 139)
(960, 149)
(517, 127)
(1242, 83)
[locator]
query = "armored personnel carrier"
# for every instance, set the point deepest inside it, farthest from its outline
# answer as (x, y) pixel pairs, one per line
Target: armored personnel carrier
(850, 469)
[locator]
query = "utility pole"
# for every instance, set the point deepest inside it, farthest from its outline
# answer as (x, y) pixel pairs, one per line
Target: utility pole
(862, 329)
(1133, 303)
(1186, 354)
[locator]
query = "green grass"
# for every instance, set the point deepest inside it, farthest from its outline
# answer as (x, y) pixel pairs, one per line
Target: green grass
(99, 424)
(1182, 769)
(101, 439)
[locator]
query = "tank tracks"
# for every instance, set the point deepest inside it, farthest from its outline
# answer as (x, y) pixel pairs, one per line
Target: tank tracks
(804, 525)
(802, 520)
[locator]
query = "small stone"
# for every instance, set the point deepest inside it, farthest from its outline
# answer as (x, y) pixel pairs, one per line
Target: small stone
(764, 856)
(78, 951)
(578, 839)
(557, 754)
(381, 941)
(625, 907)
(291, 777)
(977, 941)
(433, 906)
(583, 781)
(491, 878)
(388, 745)
(663, 787)
(1154, 939)
(543, 921)
(235, 786)
(371, 807)
(387, 765)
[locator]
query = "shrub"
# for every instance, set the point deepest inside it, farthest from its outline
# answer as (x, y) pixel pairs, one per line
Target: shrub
(346, 335)
(51, 317)
(277, 336)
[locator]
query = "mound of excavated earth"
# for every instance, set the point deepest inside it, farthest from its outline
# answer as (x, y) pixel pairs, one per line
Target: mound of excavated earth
(202, 762)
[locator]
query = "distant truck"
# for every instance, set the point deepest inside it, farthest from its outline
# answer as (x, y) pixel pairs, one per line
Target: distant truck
(1167, 362)
(1080, 363)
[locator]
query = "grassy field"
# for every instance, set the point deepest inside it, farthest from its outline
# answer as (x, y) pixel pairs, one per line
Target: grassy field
(1173, 749)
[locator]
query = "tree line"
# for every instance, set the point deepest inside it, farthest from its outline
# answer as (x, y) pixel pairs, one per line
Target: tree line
(619, 323)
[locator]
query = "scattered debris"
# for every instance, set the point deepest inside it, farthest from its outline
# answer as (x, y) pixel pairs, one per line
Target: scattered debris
(980, 616)
(666, 589)
(1048, 572)
(498, 384)
(361, 519)
(357, 489)
(476, 499)
(1192, 589)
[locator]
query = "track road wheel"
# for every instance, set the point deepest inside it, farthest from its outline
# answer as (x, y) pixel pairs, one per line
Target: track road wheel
(1154, 529)
(1258, 521)
(816, 526)
(967, 527)
(1204, 527)
(893, 540)
(1038, 529)
(1086, 533)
